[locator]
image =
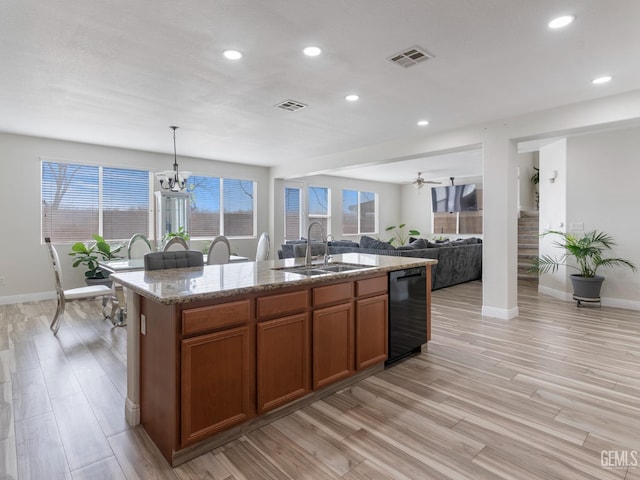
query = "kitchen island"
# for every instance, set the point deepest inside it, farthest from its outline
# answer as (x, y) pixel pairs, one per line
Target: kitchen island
(216, 351)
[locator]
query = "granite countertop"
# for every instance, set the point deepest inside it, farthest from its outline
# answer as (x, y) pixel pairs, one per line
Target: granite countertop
(183, 285)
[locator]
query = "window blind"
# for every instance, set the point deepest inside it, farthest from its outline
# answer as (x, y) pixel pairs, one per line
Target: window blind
(70, 201)
(292, 216)
(125, 203)
(205, 206)
(73, 196)
(238, 198)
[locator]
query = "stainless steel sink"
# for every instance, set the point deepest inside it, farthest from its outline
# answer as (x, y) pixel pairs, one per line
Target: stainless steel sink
(309, 272)
(322, 269)
(342, 268)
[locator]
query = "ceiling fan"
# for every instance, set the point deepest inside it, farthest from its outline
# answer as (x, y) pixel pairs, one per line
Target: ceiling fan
(420, 182)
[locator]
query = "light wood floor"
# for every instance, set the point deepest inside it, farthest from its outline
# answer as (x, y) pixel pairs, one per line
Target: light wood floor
(540, 396)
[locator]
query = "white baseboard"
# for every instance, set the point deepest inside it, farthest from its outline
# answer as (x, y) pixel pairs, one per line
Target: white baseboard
(605, 301)
(502, 313)
(28, 297)
(620, 303)
(552, 292)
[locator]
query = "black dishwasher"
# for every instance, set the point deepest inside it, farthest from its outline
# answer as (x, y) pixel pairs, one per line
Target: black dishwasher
(407, 312)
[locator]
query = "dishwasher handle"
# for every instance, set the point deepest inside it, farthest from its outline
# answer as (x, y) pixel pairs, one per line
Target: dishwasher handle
(398, 275)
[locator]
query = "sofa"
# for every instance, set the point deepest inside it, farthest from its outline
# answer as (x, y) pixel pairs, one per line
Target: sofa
(459, 260)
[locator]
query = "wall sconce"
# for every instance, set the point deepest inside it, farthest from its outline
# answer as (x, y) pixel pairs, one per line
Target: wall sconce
(553, 177)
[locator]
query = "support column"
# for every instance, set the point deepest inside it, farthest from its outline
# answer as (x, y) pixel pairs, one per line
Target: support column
(500, 228)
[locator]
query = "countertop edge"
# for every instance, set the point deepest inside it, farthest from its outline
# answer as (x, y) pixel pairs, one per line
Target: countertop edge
(123, 279)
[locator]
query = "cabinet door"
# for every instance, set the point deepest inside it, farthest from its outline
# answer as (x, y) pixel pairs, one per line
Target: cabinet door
(215, 383)
(283, 361)
(332, 344)
(371, 331)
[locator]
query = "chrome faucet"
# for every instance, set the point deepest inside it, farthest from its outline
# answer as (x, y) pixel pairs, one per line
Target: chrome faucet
(307, 257)
(327, 257)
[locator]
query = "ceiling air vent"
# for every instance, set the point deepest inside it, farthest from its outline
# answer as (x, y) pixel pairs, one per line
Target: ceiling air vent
(410, 56)
(291, 105)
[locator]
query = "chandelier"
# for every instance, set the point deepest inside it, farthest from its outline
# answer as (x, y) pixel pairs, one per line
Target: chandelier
(173, 180)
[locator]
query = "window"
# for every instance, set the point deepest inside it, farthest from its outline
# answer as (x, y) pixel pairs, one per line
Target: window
(81, 200)
(205, 206)
(359, 212)
(292, 217)
(239, 208)
(221, 206)
(320, 207)
(468, 222)
(125, 203)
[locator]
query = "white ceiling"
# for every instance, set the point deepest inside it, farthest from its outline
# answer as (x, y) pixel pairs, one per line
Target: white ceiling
(119, 73)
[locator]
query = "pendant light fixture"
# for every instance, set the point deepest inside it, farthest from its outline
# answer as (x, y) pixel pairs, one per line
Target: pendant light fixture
(173, 180)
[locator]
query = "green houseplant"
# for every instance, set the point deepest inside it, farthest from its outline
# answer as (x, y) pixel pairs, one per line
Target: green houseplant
(399, 237)
(89, 255)
(535, 179)
(588, 251)
(180, 233)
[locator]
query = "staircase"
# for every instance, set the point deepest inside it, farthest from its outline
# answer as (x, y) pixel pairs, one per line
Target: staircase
(527, 242)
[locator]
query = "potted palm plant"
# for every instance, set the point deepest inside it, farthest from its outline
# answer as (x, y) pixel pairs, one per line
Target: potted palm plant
(588, 252)
(90, 255)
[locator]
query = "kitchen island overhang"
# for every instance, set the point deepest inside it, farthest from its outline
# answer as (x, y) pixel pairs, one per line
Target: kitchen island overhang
(179, 319)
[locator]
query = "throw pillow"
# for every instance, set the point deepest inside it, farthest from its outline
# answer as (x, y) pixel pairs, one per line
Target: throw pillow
(343, 243)
(421, 243)
(369, 242)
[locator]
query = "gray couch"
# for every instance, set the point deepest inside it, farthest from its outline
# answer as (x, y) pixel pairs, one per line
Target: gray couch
(459, 261)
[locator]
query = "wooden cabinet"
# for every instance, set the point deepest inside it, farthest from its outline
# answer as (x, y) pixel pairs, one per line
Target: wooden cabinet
(216, 377)
(332, 344)
(208, 366)
(372, 321)
(283, 363)
(371, 331)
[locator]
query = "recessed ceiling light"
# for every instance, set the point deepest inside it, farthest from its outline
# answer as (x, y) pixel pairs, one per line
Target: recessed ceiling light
(599, 80)
(423, 123)
(352, 97)
(312, 51)
(562, 21)
(233, 54)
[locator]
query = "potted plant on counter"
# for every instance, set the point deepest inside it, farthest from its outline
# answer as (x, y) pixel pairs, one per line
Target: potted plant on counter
(588, 252)
(90, 255)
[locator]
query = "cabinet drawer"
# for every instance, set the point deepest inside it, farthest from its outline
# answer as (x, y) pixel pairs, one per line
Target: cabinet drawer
(197, 320)
(282, 304)
(371, 286)
(331, 294)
